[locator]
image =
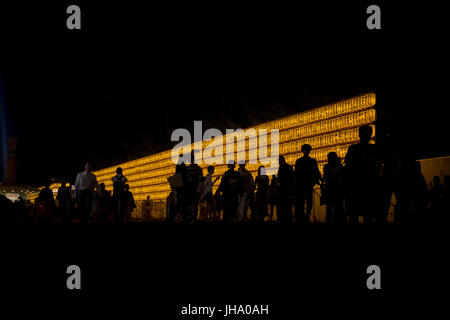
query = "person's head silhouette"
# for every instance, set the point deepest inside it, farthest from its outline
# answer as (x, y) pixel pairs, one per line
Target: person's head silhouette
(447, 180)
(333, 158)
(418, 168)
(282, 161)
(306, 149)
(231, 164)
(88, 168)
(119, 171)
(365, 133)
(436, 181)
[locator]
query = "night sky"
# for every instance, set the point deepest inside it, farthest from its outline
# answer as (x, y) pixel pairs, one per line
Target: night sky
(115, 90)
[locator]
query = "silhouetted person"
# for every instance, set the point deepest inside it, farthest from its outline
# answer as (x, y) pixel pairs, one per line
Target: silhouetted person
(19, 210)
(416, 192)
(446, 199)
(46, 199)
(218, 205)
(178, 201)
(231, 186)
(273, 195)
(252, 206)
(285, 191)
(130, 204)
(436, 199)
(194, 176)
(85, 185)
(119, 197)
(171, 207)
(247, 194)
(333, 188)
(262, 194)
(361, 177)
(207, 195)
(64, 198)
(148, 206)
(307, 175)
(103, 204)
(392, 178)
(5, 209)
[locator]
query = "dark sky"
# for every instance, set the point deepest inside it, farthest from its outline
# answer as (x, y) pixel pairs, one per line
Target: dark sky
(116, 89)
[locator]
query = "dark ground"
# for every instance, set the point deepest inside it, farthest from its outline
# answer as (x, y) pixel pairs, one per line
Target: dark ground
(130, 75)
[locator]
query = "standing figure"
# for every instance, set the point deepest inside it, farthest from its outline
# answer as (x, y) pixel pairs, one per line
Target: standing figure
(285, 191)
(416, 189)
(231, 186)
(194, 176)
(64, 198)
(103, 204)
(273, 195)
(362, 177)
(436, 200)
(333, 192)
(45, 203)
(130, 204)
(262, 194)
(118, 197)
(85, 185)
(247, 193)
(307, 175)
(207, 195)
(148, 206)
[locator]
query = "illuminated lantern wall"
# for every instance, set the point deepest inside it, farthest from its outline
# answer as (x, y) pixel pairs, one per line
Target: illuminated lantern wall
(328, 128)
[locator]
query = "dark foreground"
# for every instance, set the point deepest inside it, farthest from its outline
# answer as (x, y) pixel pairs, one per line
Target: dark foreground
(137, 271)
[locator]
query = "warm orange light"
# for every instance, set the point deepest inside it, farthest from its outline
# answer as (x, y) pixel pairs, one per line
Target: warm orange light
(328, 128)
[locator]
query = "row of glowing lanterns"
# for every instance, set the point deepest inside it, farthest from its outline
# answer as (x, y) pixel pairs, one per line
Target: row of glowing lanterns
(351, 105)
(320, 144)
(148, 175)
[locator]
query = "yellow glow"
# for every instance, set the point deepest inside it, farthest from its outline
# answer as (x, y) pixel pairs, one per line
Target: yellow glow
(329, 128)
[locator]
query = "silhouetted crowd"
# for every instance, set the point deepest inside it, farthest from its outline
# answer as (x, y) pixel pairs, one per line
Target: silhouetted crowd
(87, 202)
(361, 188)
